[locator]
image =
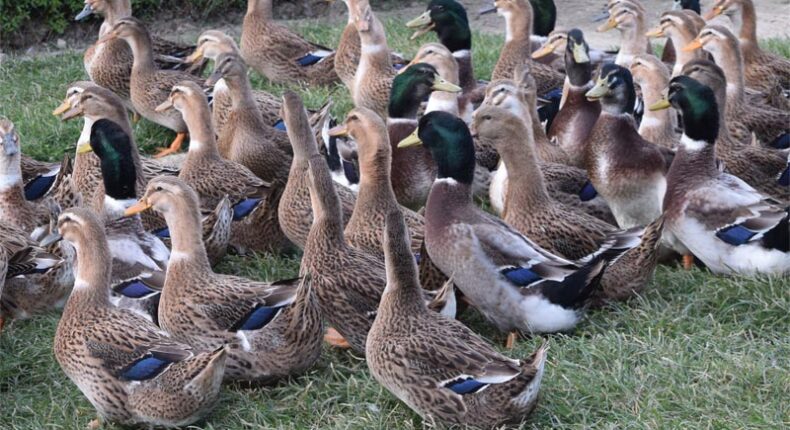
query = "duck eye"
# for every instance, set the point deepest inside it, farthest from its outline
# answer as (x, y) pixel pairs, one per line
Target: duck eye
(158, 188)
(440, 8)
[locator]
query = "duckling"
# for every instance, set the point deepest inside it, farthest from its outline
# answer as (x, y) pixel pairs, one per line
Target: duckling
(578, 114)
(130, 370)
(680, 28)
(23, 297)
(757, 165)
(109, 63)
(715, 216)
(652, 76)
(518, 46)
(272, 329)
(629, 19)
(281, 55)
(214, 177)
(348, 282)
(150, 86)
(768, 122)
(512, 281)
(758, 63)
(373, 80)
(211, 44)
(436, 365)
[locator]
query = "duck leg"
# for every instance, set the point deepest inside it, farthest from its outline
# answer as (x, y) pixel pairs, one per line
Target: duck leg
(510, 342)
(688, 262)
(335, 339)
(174, 147)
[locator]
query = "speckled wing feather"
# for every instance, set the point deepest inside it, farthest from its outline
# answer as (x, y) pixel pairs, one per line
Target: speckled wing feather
(223, 178)
(240, 295)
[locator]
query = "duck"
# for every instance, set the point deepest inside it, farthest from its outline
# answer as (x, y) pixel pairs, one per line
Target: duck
(272, 330)
(139, 258)
(680, 28)
(36, 293)
(627, 170)
(149, 85)
(213, 177)
(629, 19)
(245, 137)
(578, 114)
(109, 63)
(210, 45)
(448, 19)
(437, 366)
(715, 216)
(441, 59)
(40, 177)
(759, 64)
(348, 281)
(652, 76)
(517, 50)
(281, 55)
(556, 43)
(373, 79)
(757, 165)
(130, 370)
(768, 121)
(513, 282)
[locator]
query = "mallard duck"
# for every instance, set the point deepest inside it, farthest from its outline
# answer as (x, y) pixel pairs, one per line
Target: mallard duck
(680, 28)
(627, 170)
(512, 281)
(373, 80)
(578, 114)
(150, 86)
(518, 46)
(438, 56)
(272, 329)
(211, 44)
(281, 55)
(139, 258)
(629, 19)
(245, 137)
(652, 76)
(214, 177)
(768, 122)
(757, 165)
(130, 370)
(25, 296)
(556, 43)
(109, 63)
(715, 216)
(759, 64)
(436, 365)
(448, 19)
(348, 282)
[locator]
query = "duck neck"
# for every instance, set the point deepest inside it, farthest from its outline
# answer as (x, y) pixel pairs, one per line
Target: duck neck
(374, 50)
(694, 162)
(260, 8)
(537, 128)
(374, 169)
(10, 176)
(634, 41)
(183, 220)
(143, 54)
(660, 122)
(327, 229)
(241, 92)
(202, 142)
(118, 9)
(731, 62)
(748, 30)
(526, 187)
(681, 37)
(92, 272)
(518, 26)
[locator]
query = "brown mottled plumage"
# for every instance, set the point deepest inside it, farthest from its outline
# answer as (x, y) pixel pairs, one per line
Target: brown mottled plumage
(373, 79)
(273, 50)
(418, 355)
(652, 76)
(629, 19)
(97, 344)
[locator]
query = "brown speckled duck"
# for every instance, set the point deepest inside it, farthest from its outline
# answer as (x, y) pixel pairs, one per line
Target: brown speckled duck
(629, 19)
(680, 27)
(130, 370)
(281, 55)
(437, 366)
(271, 330)
(373, 79)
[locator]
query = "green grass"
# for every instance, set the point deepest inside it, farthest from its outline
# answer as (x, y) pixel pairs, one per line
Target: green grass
(696, 351)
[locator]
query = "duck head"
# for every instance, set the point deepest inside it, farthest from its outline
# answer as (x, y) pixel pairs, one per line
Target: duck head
(413, 86)
(615, 90)
(450, 142)
(448, 19)
(698, 108)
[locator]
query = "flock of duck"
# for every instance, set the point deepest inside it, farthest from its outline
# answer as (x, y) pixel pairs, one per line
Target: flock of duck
(600, 165)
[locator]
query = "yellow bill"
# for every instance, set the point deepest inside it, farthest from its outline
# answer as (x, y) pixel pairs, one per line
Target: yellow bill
(656, 32)
(66, 105)
(137, 208)
(693, 45)
(440, 84)
(599, 90)
(84, 148)
(165, 106)
(412, 140)
(660, 105)
(608, 25)
(339, 131)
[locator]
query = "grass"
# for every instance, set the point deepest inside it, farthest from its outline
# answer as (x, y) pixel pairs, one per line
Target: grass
(695, 351)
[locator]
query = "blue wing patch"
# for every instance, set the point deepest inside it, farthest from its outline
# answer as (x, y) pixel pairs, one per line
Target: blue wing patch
(465, 386)
(145, 368)
(134, 289)
(280, 125)
(417, 257)
(309, 59)
(350, 172)
(257, 318)
(36, 188)
(784, 177)
(244, 208)
(588, 192)
(521, 276)
(781, 142)
(162, 233)
(735, 235)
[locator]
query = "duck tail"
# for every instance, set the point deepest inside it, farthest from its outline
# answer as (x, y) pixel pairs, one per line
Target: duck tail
(573, 291)
(210, 370)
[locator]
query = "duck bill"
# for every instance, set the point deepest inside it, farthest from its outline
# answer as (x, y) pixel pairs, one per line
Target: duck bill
(213, 79)
(339, 131)
(599, 90)
(50, 240)
(660, 105)
(440, 84)
(63, 107)
(608, 25)
(422, 31)
(164, 107)
(580, 55)
(601, 17)
(194, 57)
(84, 148)
(412, 140)
(713, 13)
(544, 50)
(137, 208)
(693, 46)
(656, 32)
(71, 114)
(86, 12)
(422, 23)
(487, 10)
